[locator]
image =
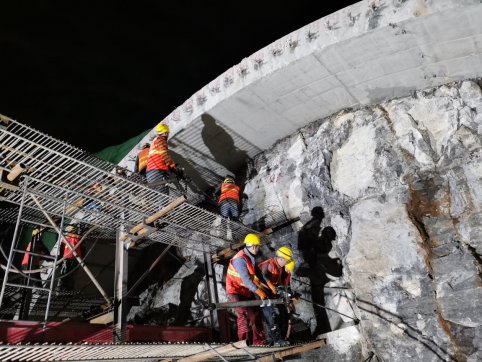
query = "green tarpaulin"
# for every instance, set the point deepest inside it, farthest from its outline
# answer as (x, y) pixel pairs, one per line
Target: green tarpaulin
(116, 153)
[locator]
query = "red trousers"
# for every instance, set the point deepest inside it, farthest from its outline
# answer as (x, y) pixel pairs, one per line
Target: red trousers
(246, 316)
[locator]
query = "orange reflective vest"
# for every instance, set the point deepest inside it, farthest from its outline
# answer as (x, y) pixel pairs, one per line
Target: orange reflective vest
(274, 273)
(159, 158)
(142, 158)
(234, 283)
(229, 191)
(73, 239)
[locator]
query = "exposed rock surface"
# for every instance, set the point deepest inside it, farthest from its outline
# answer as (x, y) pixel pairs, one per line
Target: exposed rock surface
(401, 184)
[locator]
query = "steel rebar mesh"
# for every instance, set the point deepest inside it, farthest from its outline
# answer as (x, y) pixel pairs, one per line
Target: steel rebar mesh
(96, 195)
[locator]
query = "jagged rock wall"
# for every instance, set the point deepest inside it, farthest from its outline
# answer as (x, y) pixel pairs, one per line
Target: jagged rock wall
(401, 184)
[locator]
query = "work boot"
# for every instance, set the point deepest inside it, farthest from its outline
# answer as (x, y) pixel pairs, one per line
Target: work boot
(281, 343)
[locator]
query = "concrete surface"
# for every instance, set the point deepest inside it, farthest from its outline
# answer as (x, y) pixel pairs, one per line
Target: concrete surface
(368, 52)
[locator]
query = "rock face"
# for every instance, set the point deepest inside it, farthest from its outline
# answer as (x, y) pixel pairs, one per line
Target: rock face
(401, 185)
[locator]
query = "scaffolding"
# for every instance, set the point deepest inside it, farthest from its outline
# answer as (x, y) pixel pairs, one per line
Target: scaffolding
(50, 184)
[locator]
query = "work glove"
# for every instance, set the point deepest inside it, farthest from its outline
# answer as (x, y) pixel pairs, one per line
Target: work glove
(260, 292)
(271, 287)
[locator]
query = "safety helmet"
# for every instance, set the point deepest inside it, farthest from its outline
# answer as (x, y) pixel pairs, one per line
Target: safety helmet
(146, 145)
(228, 180)
(290, 266)
(251, 239)
(162, 128)
(285, 253)
(72, 228)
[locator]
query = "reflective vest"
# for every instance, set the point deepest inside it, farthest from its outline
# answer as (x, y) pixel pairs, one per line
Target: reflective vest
(73, 239)
(229, 191)
(159, 158)
(276, 274)
(26, 255)
(142, 158)
(234, 283)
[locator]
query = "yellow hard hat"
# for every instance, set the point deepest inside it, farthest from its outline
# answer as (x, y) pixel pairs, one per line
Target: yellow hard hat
(162, 128)
(285, 253)
(251, 239)
(228, 180)
(290, 266)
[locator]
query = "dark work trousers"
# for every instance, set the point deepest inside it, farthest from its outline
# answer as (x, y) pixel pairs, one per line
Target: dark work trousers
(246, 316)
(277, 322)
(153, 176)
(229, 208)
(67, 281)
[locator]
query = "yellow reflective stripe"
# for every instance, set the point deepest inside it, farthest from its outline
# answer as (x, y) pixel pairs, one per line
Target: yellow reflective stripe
(233, 273)
(156, 152)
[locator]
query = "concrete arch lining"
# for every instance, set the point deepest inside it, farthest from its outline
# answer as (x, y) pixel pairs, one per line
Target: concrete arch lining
(365, 53)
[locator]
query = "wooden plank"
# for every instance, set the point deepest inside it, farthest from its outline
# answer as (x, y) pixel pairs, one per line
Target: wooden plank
(210, 354)
(180, 200)
(103, 319)
(293, 350)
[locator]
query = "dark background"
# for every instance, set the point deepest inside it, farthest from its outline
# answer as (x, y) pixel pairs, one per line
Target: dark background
(97, 73)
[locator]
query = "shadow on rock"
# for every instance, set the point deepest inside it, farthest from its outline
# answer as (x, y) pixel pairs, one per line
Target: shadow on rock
(314, 247)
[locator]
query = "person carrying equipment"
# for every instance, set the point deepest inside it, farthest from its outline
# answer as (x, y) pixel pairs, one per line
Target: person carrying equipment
(228, 202)
(141, 161)
(276, 316)
(243, 282)
(159, 162)
(291, 306)
(73, 237)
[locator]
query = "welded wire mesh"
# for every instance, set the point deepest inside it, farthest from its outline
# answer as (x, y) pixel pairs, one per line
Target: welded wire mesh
(96, 195)
(138, 351)
(65, 304)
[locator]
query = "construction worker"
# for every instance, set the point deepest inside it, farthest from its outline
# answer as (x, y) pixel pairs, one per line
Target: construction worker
(32, 262)
(289, 268)
(228, 202)
(276, 316)
(141, 161)
(243, 282)
(73, 237)
(159, 162)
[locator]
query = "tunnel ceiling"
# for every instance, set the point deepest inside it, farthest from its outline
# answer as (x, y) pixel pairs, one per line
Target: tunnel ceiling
(362, 54)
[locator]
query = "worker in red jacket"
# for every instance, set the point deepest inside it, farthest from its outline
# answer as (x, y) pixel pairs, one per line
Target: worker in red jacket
(228, 202)
(244, 282)
(289, 268)
(141, 161)
(276, 316)
(73, 237)
(159, 162)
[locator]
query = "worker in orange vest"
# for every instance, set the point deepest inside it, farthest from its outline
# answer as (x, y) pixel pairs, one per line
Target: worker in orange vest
(141, 161)
(276, 316)
(72, 235)
(289, 268)
(244, 282)
(228, 202)
(159, 162)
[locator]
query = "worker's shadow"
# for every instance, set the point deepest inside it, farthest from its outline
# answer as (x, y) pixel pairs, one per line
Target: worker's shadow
(221, 145)
(314, 247)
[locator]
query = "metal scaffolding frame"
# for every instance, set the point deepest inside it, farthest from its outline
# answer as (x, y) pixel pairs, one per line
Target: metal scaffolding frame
(181, 352)
(59, 181)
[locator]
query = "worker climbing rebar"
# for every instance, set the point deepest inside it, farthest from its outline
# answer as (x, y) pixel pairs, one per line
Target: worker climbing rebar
(228, 202)
(73, 237)
(275, 274)
(159, 162)
(243, 282)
